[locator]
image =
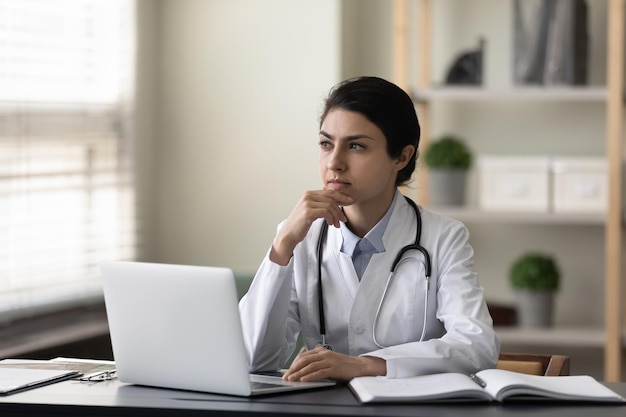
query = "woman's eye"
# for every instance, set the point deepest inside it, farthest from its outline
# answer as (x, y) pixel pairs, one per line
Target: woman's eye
(356, 146)
(325, 144)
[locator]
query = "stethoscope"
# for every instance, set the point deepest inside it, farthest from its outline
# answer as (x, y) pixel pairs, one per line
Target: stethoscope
(414, 246)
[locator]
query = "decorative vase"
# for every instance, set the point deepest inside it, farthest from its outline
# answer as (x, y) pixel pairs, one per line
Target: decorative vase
(534, 308)
(447, 187)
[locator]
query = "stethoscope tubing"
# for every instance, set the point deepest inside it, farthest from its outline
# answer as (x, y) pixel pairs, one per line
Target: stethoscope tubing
(382, 299)
(320, 298)
(398, 259)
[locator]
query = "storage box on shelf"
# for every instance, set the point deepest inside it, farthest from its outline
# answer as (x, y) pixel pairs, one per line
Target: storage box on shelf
(514, 183)
(579, 185)
(542, 184)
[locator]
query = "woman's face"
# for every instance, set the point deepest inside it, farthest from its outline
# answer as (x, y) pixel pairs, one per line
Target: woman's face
(354, 160)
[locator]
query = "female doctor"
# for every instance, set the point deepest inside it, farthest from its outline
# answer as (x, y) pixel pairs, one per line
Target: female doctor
(331, 274)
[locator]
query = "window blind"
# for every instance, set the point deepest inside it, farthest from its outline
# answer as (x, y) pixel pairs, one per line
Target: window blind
(67, 192)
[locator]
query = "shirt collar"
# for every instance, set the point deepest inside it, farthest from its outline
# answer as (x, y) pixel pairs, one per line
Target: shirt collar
(374, 236)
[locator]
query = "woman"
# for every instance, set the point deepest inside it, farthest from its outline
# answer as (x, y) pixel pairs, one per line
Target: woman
(376, 322)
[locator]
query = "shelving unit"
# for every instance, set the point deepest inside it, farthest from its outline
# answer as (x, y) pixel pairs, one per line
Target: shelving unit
(566, 336)
(610, 337)
(472, 214)
(511, 94)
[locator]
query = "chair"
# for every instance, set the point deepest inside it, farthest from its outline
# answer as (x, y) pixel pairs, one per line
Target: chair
(534, 364)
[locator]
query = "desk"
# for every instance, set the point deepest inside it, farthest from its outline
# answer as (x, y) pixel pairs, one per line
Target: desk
(112, 398)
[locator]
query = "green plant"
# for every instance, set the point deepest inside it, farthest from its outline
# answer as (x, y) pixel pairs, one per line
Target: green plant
(535, 272)
(449, 152)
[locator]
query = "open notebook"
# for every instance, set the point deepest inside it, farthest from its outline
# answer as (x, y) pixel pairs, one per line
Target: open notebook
(488, 385)
(177, 326)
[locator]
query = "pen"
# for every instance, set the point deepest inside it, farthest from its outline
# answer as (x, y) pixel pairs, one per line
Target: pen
(478, 380)
(100, 376)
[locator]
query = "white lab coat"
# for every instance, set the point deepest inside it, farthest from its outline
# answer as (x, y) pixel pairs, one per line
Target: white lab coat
(282, 302)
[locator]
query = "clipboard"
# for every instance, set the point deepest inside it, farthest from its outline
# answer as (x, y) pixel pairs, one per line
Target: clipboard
(14, 380)
(92, 370)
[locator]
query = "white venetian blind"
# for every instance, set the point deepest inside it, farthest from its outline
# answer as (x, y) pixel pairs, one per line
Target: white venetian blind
(66, 174)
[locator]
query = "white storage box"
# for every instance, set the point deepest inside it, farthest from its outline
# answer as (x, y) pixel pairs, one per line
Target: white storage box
(580, 185)
(514, 184)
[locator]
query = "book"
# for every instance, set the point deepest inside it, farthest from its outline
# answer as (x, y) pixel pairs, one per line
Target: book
(494, 385)
(19, 379)
(531, 26)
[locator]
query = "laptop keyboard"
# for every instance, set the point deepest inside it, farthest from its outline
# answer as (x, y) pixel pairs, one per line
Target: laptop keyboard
(262, 385)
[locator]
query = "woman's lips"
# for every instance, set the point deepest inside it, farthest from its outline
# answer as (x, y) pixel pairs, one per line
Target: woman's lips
(337, 184)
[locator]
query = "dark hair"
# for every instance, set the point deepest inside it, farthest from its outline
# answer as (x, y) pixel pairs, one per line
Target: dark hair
(388, 107)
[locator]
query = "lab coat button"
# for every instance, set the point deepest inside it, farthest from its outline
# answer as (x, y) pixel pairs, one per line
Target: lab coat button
(359, 329)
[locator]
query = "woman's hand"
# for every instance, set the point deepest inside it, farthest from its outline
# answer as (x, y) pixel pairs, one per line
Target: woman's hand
(321, 363)
(313, 205)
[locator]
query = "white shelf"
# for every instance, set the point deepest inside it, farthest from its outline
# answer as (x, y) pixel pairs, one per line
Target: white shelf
(543, 94)
(476, 215)
(557, 336)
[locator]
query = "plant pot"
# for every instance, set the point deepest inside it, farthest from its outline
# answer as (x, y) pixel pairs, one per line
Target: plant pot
(447, 187)
(534, 308)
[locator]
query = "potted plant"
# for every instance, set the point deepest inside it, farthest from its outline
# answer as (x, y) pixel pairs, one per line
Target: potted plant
(448, 160)
(535, 278)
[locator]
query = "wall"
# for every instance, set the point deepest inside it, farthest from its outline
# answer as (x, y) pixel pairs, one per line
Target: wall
(366, 38)
(146, 128)
(238, 90)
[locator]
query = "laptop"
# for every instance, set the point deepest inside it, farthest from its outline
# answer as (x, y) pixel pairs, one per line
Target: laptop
(177, 326)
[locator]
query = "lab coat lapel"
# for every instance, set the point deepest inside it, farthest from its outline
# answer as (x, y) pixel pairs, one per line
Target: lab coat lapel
(343, 263)
(400, 232)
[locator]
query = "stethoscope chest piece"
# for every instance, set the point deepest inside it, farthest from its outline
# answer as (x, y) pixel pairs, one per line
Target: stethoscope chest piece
(323, 342)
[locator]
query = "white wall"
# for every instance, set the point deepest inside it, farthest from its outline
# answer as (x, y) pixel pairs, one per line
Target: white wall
(239, 88)
(366, 38)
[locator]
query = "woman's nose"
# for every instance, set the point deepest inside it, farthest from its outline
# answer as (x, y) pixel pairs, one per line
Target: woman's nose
(336, 160)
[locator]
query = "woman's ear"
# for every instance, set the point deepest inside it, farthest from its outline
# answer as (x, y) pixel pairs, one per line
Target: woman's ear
(405, 157)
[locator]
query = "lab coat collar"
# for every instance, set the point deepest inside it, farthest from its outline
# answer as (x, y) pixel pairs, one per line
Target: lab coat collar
(374, 236)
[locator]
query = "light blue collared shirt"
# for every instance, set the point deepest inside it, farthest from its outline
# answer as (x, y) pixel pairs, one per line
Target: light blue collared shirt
(361, 250)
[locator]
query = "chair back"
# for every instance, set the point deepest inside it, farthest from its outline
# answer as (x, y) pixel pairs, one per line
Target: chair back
(534, 364)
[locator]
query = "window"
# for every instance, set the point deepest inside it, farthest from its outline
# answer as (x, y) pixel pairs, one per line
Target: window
(66, 167)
